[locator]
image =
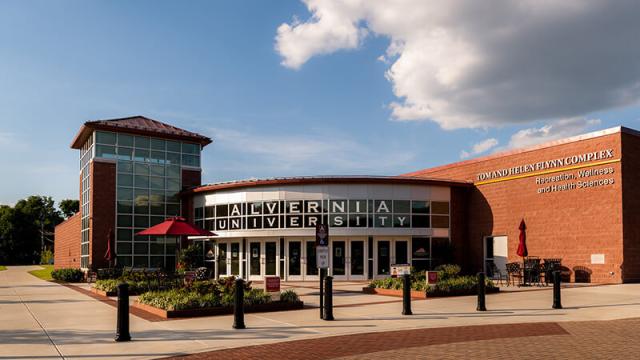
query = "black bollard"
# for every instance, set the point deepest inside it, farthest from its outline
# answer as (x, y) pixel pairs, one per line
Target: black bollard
(406, 294)
(122, 330)
(481, 293)
(556, 290)
(321, 293)
(238, 306)
(328, 301)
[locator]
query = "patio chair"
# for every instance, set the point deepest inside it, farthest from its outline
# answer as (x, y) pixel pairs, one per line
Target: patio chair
(496, 274)
(514, 273)
(550, 265)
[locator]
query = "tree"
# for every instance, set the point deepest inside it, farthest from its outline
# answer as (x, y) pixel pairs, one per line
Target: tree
(23, 229)
(69, 207)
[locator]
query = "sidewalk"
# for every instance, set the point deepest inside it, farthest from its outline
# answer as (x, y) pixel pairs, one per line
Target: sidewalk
(45, 320)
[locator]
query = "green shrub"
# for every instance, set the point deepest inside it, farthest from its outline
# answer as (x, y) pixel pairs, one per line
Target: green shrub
(68, 275)
(189, 256)
(256, 296)
(459, 285)
(111, 285)
(447, 271)
(187, 298)
(289, 296)
(46, 257)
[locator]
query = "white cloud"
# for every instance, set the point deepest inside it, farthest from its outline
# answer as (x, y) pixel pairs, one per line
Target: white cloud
(471, 64)
(329, 29)
(558, 130)
(302, 154)
(480, 148)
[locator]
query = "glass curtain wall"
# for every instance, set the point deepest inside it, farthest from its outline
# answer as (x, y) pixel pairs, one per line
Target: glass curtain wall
(148, 183)
(86, 154)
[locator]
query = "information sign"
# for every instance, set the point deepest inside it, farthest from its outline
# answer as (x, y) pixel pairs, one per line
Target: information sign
(322, 257)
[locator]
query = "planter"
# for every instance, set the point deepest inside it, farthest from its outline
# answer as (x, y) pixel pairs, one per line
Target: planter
(168, 314)
(423, 294)
(415, 294)
(461, 292)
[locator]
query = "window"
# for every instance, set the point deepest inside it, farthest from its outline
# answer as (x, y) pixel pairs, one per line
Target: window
(189, 148)
(421, 253)
(103, 137)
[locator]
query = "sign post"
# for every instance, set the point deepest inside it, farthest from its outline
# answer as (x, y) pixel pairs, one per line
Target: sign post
(322, 259)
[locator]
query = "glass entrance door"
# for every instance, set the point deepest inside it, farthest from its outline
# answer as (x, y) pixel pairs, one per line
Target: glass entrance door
(311, 266)
(222, 259)
(294, 259)
(255, 265)
(271, 258)
(339, 255)
(383, 257)
(235, 259)
(357, 260)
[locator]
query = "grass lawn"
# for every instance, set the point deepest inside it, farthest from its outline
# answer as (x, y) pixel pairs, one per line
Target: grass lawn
(2, 267)
(44, 274)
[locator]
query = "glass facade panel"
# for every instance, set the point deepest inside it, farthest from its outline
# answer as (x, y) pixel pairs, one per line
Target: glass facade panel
(142, 142)
(125, 140)
(148, 185)
(189, 148)
(295, 252)
(357, 257)
(312, 265)
(173, 146)
(106, 151)
(103, 137)
(270, 250)
(339, 255)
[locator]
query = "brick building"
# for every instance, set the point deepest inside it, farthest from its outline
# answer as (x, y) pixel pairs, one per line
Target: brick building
(131, 173)
(577, 196)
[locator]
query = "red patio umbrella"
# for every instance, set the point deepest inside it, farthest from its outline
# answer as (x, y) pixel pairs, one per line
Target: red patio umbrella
(110, 254)
(176, 226)
(522, 248)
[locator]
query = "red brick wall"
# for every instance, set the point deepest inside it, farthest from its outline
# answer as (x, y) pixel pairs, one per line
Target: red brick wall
(571, 224)
(631, 207)
(67, 243)
(103, 210)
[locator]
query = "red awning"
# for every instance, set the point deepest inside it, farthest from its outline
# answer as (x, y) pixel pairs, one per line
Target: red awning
(176, 226)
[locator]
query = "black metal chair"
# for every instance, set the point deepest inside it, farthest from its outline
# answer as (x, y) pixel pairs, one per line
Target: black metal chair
(496, 274)
(514, 273)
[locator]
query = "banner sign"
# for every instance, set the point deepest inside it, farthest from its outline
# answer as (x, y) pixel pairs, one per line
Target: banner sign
(400, 269)
(307, 214)
(272, 283)
(432, 277)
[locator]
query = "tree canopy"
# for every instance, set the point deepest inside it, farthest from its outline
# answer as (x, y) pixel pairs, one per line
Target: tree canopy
(69, 207)
(21, 228)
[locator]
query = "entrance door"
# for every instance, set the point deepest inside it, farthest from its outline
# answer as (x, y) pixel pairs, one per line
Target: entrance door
(255, 263)
(401, 253)
(294, 260)
(311, 266)
(222, 259)
(235, 259)
(271, 258)
(383, 257)
(339, 256)
(357, 260)
(495, 251)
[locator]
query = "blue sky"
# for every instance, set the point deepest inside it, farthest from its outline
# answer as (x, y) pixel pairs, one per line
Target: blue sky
(296, 109)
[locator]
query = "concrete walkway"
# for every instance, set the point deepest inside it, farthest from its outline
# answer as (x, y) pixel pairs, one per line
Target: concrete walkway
(43, 320)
